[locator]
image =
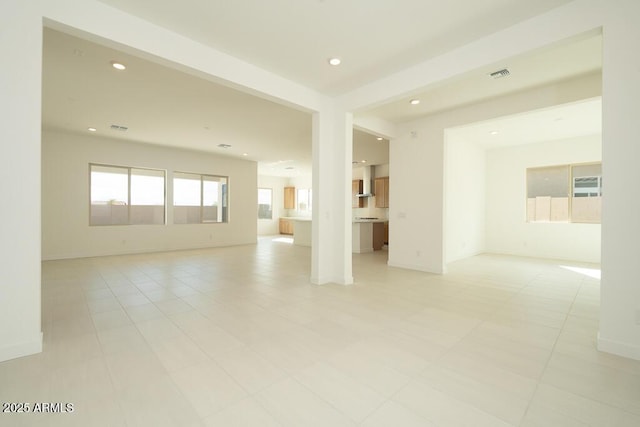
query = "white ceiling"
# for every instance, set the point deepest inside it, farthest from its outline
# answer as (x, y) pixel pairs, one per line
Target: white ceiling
(161, 105)
(374, 38)
(547, 124)
(554, 63)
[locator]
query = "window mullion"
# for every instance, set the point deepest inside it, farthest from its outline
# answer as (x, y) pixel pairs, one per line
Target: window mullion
(129, 197)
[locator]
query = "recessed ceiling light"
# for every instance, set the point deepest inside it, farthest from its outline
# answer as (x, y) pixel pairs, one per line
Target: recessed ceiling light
(224, 145)
(494, 132)
(118, 65)
(379, 138)
(363, 161)
(92, 129)
(414, 102)
(334, 61)
(245, 154)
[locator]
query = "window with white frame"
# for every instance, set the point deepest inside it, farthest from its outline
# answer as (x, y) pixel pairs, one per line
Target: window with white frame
(565, 193)
(199, 198)
(304, 200)
(586, 201)
(121, 195)
(265, 203)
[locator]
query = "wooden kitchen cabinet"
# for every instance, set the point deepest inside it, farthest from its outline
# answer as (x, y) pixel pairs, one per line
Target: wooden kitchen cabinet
(286, 226)
(386, 232)
(289, 197)
(381, 186)
(378, 235)
(356, 188)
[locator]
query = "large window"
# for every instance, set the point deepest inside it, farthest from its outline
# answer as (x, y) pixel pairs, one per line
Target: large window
(586, 203)
(124, 195)
(265, 203)
(304, 200)
(199, 198)
(566, 193)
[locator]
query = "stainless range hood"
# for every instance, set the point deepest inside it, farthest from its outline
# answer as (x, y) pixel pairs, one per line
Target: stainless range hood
(367, 181)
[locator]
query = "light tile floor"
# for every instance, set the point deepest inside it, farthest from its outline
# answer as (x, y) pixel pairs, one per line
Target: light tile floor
(238, 337)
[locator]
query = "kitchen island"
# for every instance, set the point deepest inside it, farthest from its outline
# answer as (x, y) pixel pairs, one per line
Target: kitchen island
(367, 235)
(364, 235)
(301, 231)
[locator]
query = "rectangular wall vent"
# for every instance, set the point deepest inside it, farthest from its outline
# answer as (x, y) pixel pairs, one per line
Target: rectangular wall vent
(500, 73)
(119, 128)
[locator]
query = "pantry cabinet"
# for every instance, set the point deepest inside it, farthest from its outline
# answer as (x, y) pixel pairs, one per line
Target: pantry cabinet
(289, 197)
(381, 191)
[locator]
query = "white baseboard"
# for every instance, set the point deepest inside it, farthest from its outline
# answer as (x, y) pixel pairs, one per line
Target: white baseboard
(25, 348)
(323, 280)
(415, 267)
(623, 349)
(363, 251)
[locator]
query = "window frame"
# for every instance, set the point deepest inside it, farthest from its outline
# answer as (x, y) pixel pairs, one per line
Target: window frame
(309, 199)
(224, 200)
(270, 203)
(129, 170)
(570, 191)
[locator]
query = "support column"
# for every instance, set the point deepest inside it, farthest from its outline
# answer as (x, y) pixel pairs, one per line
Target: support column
(332, 147)
(620, 288)
(20, 104)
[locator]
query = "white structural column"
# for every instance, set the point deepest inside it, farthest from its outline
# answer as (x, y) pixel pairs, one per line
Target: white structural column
(620, 286)
(332, 146)
(20, 99)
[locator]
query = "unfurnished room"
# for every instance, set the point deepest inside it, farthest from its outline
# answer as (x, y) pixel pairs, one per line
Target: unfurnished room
(320, 213)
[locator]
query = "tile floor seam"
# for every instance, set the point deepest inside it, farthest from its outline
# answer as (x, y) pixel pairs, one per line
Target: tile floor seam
(551, 353)
(112, 381)
(510, 318)
(293, 377)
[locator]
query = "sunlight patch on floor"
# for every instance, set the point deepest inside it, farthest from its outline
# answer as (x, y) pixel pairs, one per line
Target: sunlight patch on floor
(594, 273)
(283, 240)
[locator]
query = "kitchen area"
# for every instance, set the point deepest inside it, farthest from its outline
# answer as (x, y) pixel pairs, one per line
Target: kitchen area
(370, 199)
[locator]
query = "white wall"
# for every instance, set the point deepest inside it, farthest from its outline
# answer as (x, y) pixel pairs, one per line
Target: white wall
(20, 103)
(508, 232)
(269, 227)
(417, 158)
(65, 198)
(464, 200)
(620, 288)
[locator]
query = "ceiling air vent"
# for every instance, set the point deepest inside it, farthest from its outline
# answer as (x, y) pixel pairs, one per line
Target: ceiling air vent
(500, 73)
(119, 128)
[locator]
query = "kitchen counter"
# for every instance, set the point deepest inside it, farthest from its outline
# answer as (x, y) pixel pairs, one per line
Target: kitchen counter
(362, 235)
(301, 230)
(368, 234)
